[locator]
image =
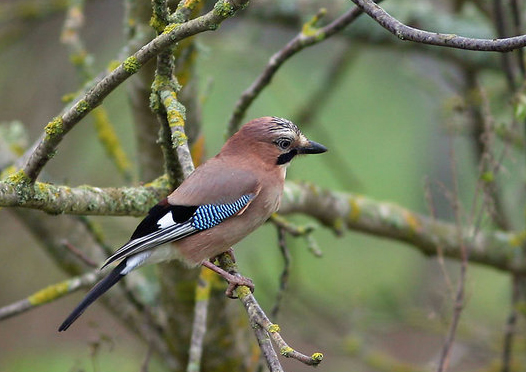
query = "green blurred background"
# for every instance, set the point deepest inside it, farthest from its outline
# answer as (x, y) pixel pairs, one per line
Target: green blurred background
(365, 301)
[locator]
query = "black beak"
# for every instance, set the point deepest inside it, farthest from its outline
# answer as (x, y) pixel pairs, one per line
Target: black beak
(312, 148)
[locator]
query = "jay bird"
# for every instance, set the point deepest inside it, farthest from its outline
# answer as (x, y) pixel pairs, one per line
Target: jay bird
(221, 202)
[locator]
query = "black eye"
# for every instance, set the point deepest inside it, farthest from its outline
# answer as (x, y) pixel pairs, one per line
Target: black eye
(283, 143)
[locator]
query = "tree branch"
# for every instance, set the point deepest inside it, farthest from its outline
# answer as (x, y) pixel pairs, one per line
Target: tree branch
(85, 200)
(404, 32)
(336, 210)
(263, 327)
(61, 125)
(50, 293)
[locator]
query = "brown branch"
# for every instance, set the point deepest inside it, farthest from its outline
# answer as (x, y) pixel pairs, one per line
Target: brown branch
(404, 32)
(81, 255)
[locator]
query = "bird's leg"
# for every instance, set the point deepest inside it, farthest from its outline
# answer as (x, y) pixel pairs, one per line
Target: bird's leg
(234, 280)
(230, 252)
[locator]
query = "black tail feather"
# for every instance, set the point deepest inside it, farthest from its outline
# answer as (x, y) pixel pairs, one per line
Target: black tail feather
(98, 290)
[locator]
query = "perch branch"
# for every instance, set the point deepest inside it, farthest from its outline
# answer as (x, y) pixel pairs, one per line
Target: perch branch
(268, 352)
(405, 32)
(336, 210)
(258, 318)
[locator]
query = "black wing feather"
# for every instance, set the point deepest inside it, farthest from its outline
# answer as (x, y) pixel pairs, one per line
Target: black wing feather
(148, 225)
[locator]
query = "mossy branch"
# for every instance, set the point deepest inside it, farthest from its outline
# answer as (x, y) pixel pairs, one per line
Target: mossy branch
(340, 211)
(263, 327)
(336, 210)
(17, 191)
(50, 293)
(47, 144)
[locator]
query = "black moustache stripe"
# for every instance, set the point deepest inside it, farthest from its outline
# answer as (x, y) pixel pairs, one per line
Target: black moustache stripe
(286, 157)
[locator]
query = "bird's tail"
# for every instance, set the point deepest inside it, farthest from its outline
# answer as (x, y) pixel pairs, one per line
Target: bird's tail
(100, 288)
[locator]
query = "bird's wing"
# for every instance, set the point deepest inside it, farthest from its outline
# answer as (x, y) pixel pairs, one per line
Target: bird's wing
(168, 222)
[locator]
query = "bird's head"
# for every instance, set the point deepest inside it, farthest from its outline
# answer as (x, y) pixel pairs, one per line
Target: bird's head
(273, 139)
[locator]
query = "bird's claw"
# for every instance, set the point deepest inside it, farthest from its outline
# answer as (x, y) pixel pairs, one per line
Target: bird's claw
(234, 279)
(237, 281)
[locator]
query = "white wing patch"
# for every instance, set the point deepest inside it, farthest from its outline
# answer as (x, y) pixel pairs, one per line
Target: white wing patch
(166, 221)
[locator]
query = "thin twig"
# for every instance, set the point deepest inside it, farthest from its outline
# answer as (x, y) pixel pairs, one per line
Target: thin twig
(511, 324)
(479, 115)
(500, 25)
(440, 252)
(404, 32)
(486, 163)
(81, 255)
(458, 305)
(284, 277)
(267, 351)
(146, 362)
(282, 223)
(298, 231)
(516, 13)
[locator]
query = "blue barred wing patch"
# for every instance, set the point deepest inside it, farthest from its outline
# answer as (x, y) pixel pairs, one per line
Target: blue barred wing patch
(209, 215)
